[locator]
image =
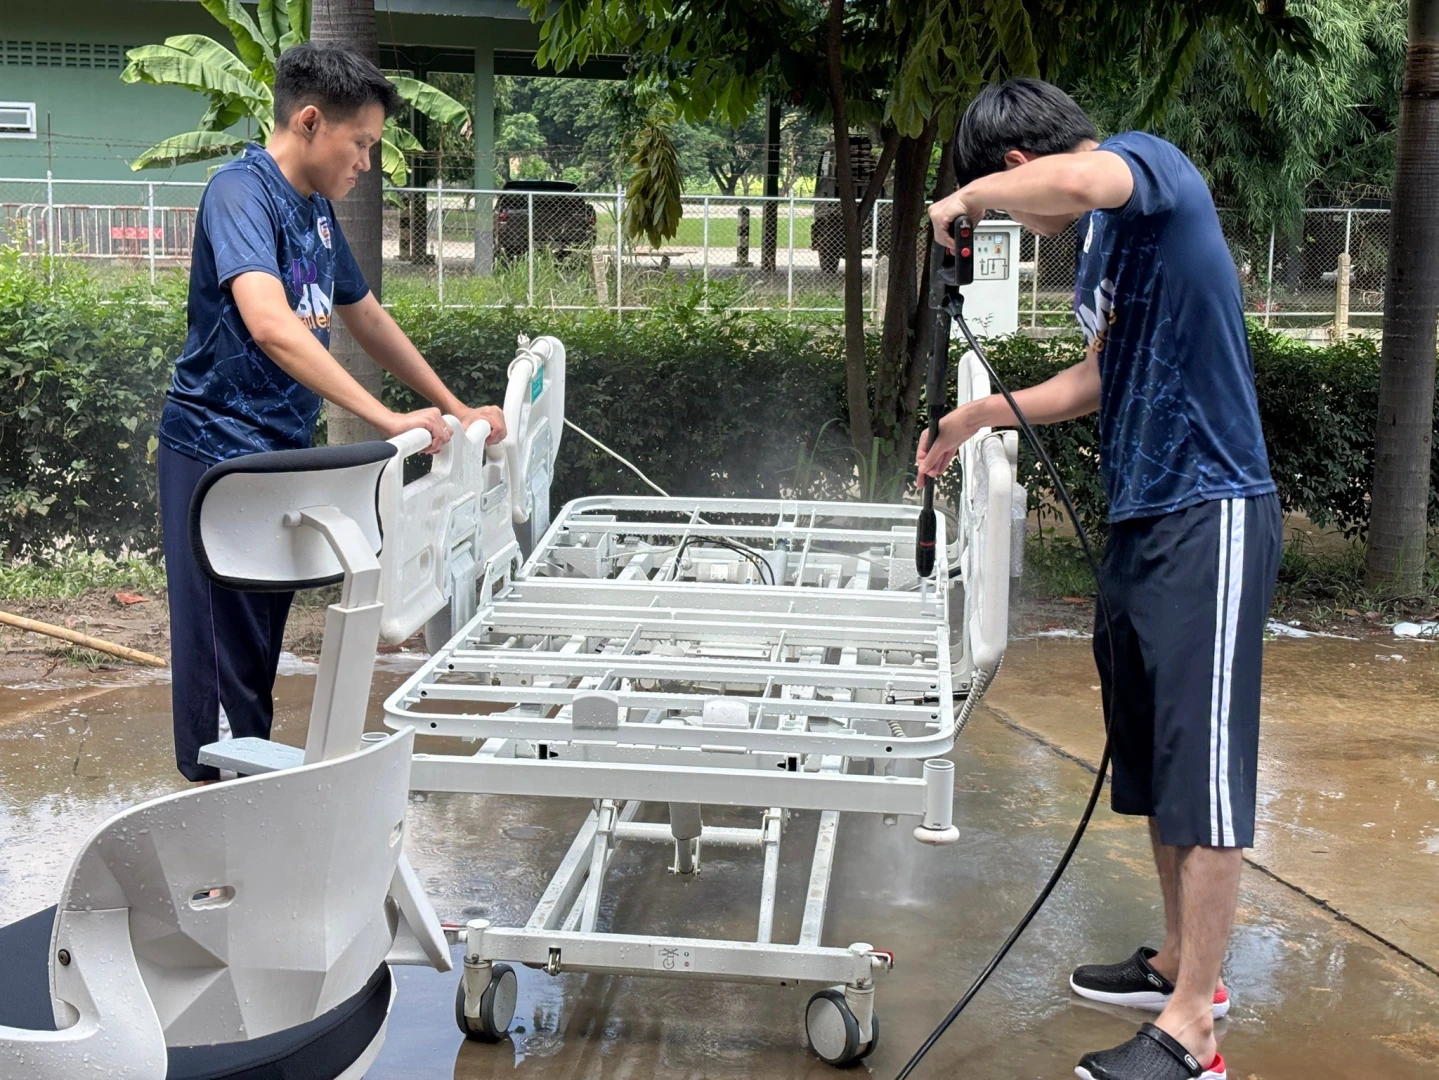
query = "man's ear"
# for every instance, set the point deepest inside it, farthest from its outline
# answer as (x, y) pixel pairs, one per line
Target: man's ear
(306, 121)
(1015, 158)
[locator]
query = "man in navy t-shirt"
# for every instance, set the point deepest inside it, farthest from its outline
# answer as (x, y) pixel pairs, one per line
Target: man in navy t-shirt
(1195, 524)
(271, 270)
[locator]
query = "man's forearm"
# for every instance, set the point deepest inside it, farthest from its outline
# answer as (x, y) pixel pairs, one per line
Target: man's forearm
(1073, 392)
(1055, 185)
(375, 331)
(291, 346)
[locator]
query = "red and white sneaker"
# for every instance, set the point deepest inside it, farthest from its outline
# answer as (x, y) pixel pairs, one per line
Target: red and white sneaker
(1134, 983)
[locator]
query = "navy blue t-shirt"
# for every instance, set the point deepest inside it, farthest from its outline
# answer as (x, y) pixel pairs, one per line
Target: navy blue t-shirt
(1158, 291)
(227, 397)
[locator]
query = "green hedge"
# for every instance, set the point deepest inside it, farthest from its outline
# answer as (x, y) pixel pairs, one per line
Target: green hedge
(82, 377)
(723, 404)
(720, 406)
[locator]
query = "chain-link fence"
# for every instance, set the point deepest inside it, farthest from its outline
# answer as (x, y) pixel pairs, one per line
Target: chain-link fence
(542, 244)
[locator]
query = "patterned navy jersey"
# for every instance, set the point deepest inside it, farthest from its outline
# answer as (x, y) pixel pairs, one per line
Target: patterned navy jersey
(1158, 295)
(227, 397)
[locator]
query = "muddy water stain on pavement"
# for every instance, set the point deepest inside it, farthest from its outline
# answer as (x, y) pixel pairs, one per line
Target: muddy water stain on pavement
(1313, 994)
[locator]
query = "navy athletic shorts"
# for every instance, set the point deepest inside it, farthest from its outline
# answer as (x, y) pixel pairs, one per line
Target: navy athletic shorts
(224, 645)
(1189, 596)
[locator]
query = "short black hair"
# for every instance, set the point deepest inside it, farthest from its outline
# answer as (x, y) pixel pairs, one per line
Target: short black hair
(336, 80)
(1020, 114)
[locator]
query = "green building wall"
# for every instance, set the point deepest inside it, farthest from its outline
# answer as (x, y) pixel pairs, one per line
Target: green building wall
(65, 56)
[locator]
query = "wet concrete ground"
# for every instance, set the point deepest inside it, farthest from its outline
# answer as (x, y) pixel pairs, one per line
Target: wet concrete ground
(1350, 817)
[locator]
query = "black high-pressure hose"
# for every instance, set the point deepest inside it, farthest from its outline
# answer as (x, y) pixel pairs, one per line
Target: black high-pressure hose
(949, 272)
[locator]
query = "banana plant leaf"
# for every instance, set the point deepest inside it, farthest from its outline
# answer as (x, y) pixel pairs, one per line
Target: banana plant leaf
(198, 63)
(274, 21)
(436, 104)
(225, 112)
(298, 15)
(250, 43)
(191, 146)
(392, 164)
(396, 143)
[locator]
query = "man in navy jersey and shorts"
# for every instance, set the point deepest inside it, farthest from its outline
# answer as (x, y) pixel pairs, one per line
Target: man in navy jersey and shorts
(271, 269)
(1195, 525)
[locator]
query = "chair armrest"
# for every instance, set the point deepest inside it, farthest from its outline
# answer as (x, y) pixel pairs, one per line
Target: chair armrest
(116, 1022)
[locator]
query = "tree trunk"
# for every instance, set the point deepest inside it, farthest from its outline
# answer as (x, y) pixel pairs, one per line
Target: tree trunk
(861, 430)
(352, 23)
(1398, 519)
(908, 321)
(769, 236)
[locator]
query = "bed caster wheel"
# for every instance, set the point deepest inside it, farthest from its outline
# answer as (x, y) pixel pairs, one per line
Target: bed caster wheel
(833, 1030)
(497, 1007)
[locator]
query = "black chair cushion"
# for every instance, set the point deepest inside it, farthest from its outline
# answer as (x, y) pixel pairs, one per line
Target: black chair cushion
(319, 1050)
(25, 972)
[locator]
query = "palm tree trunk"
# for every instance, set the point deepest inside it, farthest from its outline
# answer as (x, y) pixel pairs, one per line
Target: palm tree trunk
(352, 23)
(1398, 521)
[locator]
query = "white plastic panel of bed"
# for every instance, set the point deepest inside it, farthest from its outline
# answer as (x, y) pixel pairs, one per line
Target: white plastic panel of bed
(442, 529)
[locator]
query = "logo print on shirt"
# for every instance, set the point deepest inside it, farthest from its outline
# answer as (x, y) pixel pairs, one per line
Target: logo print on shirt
(322, 226)
(303, 272)
(314, 307)
(1089, 235)
(1095, 321)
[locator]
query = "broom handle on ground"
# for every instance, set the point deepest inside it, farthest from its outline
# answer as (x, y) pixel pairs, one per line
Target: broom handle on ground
(77, 638)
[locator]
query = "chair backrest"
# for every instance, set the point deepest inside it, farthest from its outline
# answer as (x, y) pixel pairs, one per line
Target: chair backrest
(243, 528)
(255, 905)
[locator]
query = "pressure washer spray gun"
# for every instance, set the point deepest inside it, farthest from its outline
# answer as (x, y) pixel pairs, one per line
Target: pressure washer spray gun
(949, 270)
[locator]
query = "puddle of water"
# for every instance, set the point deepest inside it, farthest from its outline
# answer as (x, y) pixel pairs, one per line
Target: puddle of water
(1349, 766)
(1310, 990)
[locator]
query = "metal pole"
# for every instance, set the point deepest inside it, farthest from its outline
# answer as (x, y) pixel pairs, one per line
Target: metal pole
(1034, 286)
(150, 227)
(1341, 297)
(874, 259)
(49, 200)
(705, 275)
(789, 286)
(1269, 297)
(1348, 226)
(440, 233)
(50, 224)
(530, 243)
(619, 252)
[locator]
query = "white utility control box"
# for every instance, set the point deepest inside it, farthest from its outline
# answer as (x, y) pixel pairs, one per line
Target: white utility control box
(991, 303)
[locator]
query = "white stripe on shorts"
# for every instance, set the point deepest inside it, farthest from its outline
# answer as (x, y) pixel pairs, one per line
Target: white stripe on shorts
(1216, 691)
(1231, 633)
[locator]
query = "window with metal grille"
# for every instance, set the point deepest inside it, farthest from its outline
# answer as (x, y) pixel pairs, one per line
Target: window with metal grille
(66, 54)
(17, 120)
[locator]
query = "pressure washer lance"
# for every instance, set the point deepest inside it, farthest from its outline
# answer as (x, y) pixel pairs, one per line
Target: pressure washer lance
(947, 273)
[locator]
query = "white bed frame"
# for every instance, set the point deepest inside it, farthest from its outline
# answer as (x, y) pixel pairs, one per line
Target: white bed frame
(636, 656)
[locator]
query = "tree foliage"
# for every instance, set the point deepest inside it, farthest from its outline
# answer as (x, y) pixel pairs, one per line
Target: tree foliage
(1327, 131)
(652, 201)
(906, 67)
